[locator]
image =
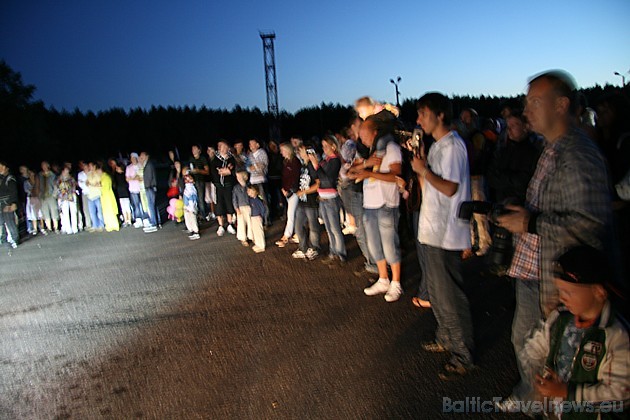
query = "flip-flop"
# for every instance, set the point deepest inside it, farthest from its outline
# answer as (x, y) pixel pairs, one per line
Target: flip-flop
(419, 303)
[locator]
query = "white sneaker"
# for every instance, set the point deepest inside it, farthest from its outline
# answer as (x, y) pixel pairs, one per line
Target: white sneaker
(138, 224)
(221, 231)
(311, 254)
(150, 229)
(231, 230)
(299, 255)
(146, 223)
(394, 292)
(194, 236)
(380, 286)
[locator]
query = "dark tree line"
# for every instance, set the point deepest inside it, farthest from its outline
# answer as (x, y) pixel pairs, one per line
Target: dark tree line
(30, 132)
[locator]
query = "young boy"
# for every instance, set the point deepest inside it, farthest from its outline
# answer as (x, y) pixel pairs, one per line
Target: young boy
(580, 357)
(258, 213)
(240, 201)
(190, 206)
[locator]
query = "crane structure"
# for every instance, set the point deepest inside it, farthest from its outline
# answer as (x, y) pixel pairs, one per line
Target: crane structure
(271, 84)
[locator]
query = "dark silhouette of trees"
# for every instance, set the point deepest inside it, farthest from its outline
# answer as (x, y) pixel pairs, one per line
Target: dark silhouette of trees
(29, 132)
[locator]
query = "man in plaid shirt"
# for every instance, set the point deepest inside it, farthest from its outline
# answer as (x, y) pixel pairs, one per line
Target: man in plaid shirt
(568, 203)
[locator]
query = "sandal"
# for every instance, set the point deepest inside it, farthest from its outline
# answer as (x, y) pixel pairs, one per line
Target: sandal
(282, 242)
(419, 303)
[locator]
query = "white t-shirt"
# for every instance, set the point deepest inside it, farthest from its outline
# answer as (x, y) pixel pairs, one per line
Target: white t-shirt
(376, 193)
(439, 225)
(134, 184)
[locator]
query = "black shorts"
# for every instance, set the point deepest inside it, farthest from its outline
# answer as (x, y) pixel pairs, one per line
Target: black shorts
(224, 204)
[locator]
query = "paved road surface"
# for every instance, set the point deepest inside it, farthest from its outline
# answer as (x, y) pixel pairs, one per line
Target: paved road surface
(134, 325)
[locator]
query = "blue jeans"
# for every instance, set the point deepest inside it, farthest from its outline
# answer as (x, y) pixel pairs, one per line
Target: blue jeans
(449, 303)
(423, 292)
(136, 205)
(381, 228)
(329, 209)
(96, 213)
(356, 209)
(151, 206)
(526, 316)
(292, 203)
(304, 215)
(8, 218)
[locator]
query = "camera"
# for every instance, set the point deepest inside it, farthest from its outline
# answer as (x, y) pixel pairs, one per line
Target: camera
(502, 249)
(310, 151)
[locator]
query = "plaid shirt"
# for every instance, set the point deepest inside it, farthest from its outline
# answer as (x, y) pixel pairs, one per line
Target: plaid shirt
(570, 195)
(526, 260)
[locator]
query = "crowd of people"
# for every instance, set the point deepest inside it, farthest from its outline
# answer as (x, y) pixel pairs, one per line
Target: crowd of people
(558, 223)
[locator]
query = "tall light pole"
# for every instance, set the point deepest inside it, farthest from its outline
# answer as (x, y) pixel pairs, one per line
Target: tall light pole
(395, 83)
(623, 78)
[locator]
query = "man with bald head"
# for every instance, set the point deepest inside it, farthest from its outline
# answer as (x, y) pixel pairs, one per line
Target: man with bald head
(567, 204)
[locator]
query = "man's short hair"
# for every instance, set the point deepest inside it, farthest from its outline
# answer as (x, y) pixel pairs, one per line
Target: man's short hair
(562, 83)
(438, 104)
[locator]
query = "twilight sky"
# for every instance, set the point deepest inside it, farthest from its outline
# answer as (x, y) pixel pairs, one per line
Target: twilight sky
(100, 54)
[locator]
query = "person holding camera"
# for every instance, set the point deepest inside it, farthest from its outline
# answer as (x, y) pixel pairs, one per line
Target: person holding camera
(568, 203)
(8, 206)
(445, 179)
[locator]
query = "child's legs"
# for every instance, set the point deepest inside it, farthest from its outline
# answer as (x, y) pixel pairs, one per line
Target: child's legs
(191, 221)
(258, 231)
(247, 215)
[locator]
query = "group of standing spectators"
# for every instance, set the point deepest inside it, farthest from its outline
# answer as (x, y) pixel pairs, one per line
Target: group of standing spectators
(100, 198)
(553, 169)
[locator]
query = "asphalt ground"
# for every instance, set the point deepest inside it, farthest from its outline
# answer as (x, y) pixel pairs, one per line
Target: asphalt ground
(135, 325)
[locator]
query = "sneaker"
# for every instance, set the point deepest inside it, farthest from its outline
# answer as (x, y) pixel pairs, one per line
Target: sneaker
(394, 292)
(299, 254)
(138, 224)
(294, 239)
(221, 231)
(349, 230)
(194, 236)
(258, 249)
(44, 232)
(231, 230)
(146, 223)
(311, 254)
(381, 286)
(149, 229)
(13, 245)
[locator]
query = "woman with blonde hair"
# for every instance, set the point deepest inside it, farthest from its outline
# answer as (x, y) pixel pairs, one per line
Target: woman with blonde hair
(290, 185)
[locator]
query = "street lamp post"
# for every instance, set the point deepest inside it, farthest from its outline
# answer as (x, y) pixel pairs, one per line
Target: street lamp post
(395, 83)
(623, 78)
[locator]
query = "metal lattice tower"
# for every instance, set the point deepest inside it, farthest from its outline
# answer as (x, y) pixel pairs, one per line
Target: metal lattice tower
(271, 84)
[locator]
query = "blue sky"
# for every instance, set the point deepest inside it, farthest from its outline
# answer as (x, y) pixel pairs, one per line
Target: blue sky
(98, 54)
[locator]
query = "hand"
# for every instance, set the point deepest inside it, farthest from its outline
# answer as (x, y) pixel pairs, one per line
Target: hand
(359, 174)
(300, 193)
(516, 221)
(551, 387)
(419, 165)
(401, 183)
(284, 192)
(373, 161)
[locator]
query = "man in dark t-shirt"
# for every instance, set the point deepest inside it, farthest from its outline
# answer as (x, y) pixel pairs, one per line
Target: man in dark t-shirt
(200, 170)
